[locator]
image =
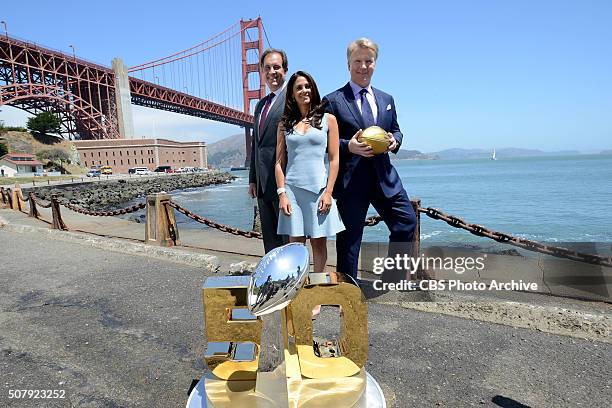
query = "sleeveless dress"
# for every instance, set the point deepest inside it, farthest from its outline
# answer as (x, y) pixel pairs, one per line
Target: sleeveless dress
(305, 180)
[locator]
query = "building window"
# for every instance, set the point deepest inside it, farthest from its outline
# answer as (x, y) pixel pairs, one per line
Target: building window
(113, 153)
(141, 161)
(127, 152)
(85, 163)
(141, 152)
(114, 162)
(107, 162)
(99, 154)
(134, 152)
(122, 162)
(128, 161)
(120, 153)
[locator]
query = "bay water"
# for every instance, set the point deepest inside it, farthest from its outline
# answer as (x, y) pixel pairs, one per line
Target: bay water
(548, 199)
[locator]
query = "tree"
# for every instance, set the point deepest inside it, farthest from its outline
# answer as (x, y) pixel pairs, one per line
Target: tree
(57, 156)
(43, 123)
(3, 149)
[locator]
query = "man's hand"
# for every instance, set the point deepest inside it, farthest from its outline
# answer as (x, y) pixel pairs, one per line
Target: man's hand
(359, 148)
(253, 190)
(392, 142)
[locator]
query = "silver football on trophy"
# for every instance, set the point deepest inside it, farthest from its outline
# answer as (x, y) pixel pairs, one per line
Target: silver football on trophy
(277, 278)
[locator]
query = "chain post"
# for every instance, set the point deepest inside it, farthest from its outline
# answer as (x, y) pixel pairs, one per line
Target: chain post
(57, 223)
(33, 210)
(9, 198)
(416, 241)
(17, 201)
(160, 226)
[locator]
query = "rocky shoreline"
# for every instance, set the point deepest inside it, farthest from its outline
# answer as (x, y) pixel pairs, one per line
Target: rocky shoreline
(110, 194)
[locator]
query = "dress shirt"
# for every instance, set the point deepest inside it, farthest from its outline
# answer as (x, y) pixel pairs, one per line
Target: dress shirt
(279, 90)
(369, 97)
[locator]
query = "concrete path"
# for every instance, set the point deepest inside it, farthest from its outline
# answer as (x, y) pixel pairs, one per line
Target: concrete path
(119, 330)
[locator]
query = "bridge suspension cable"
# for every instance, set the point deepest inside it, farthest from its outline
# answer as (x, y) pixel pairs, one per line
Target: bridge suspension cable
(210, 70)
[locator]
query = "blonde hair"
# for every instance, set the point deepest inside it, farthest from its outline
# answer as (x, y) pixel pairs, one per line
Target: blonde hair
(361, 43)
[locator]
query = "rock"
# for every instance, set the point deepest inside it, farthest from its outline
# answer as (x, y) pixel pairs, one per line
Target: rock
(111, 194)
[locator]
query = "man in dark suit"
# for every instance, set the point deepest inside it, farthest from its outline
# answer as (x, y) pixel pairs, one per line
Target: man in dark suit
(262, 183)
(364, 178)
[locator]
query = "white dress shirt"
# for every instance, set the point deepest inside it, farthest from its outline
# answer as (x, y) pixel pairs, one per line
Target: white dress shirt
(279, 90)
(369, 97)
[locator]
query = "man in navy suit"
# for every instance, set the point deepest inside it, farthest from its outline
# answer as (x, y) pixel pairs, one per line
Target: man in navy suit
(262, 183)
(365, 178)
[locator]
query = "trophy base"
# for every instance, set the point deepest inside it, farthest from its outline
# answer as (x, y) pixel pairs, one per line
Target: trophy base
(372, 397)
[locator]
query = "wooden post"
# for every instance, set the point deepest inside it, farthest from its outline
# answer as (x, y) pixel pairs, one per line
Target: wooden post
(161, 224)
(416, 241)
(57, 223)
(9, 198)
(33, 210)
(16, 198)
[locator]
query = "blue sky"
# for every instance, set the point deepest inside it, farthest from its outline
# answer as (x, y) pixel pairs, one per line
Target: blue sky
(471, 74)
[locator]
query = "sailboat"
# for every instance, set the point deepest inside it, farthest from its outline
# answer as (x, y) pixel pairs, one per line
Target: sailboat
(493, 155)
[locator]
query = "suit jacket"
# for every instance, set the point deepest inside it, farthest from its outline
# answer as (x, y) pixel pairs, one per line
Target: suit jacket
(355, 169)
(263, 149)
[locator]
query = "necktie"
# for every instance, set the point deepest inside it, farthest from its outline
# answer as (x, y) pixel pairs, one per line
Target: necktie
(366, 110)
(264, 113)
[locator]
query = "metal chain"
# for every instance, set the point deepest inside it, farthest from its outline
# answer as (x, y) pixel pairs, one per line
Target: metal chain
(527, 244)
(113, 213)
(212, 224)
(431, 212)
(41, 204)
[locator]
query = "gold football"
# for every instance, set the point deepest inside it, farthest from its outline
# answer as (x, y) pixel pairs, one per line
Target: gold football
(376, 137)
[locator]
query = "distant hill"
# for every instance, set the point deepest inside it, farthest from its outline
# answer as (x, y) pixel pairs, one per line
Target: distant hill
(458, 154)
(228, 152)
(404, 154)
(609, 151)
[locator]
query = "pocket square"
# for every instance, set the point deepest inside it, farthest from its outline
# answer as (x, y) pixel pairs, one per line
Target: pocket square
(389, 107)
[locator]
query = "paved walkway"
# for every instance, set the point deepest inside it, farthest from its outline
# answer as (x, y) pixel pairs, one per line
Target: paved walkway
(119, 330)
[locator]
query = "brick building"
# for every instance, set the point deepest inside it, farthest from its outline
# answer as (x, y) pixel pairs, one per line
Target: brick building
(123, 154)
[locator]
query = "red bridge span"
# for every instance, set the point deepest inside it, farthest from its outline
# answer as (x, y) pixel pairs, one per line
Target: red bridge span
(217, 79)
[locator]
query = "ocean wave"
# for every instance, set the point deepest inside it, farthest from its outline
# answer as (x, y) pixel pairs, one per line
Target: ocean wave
(430, 235)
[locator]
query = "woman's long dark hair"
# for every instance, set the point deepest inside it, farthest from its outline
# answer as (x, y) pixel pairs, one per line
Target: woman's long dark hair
(291, 115)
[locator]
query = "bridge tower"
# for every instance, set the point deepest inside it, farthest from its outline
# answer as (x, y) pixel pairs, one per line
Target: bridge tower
(250, 64)
(123, 100)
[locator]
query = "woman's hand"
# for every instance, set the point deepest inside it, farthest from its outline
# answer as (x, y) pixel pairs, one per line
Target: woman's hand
(284, 204)
(325, 202)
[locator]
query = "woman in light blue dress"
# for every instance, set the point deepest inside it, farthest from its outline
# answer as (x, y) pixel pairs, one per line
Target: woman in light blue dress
(307, 160)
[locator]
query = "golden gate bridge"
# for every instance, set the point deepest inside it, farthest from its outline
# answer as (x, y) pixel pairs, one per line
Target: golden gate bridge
(217, 79)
